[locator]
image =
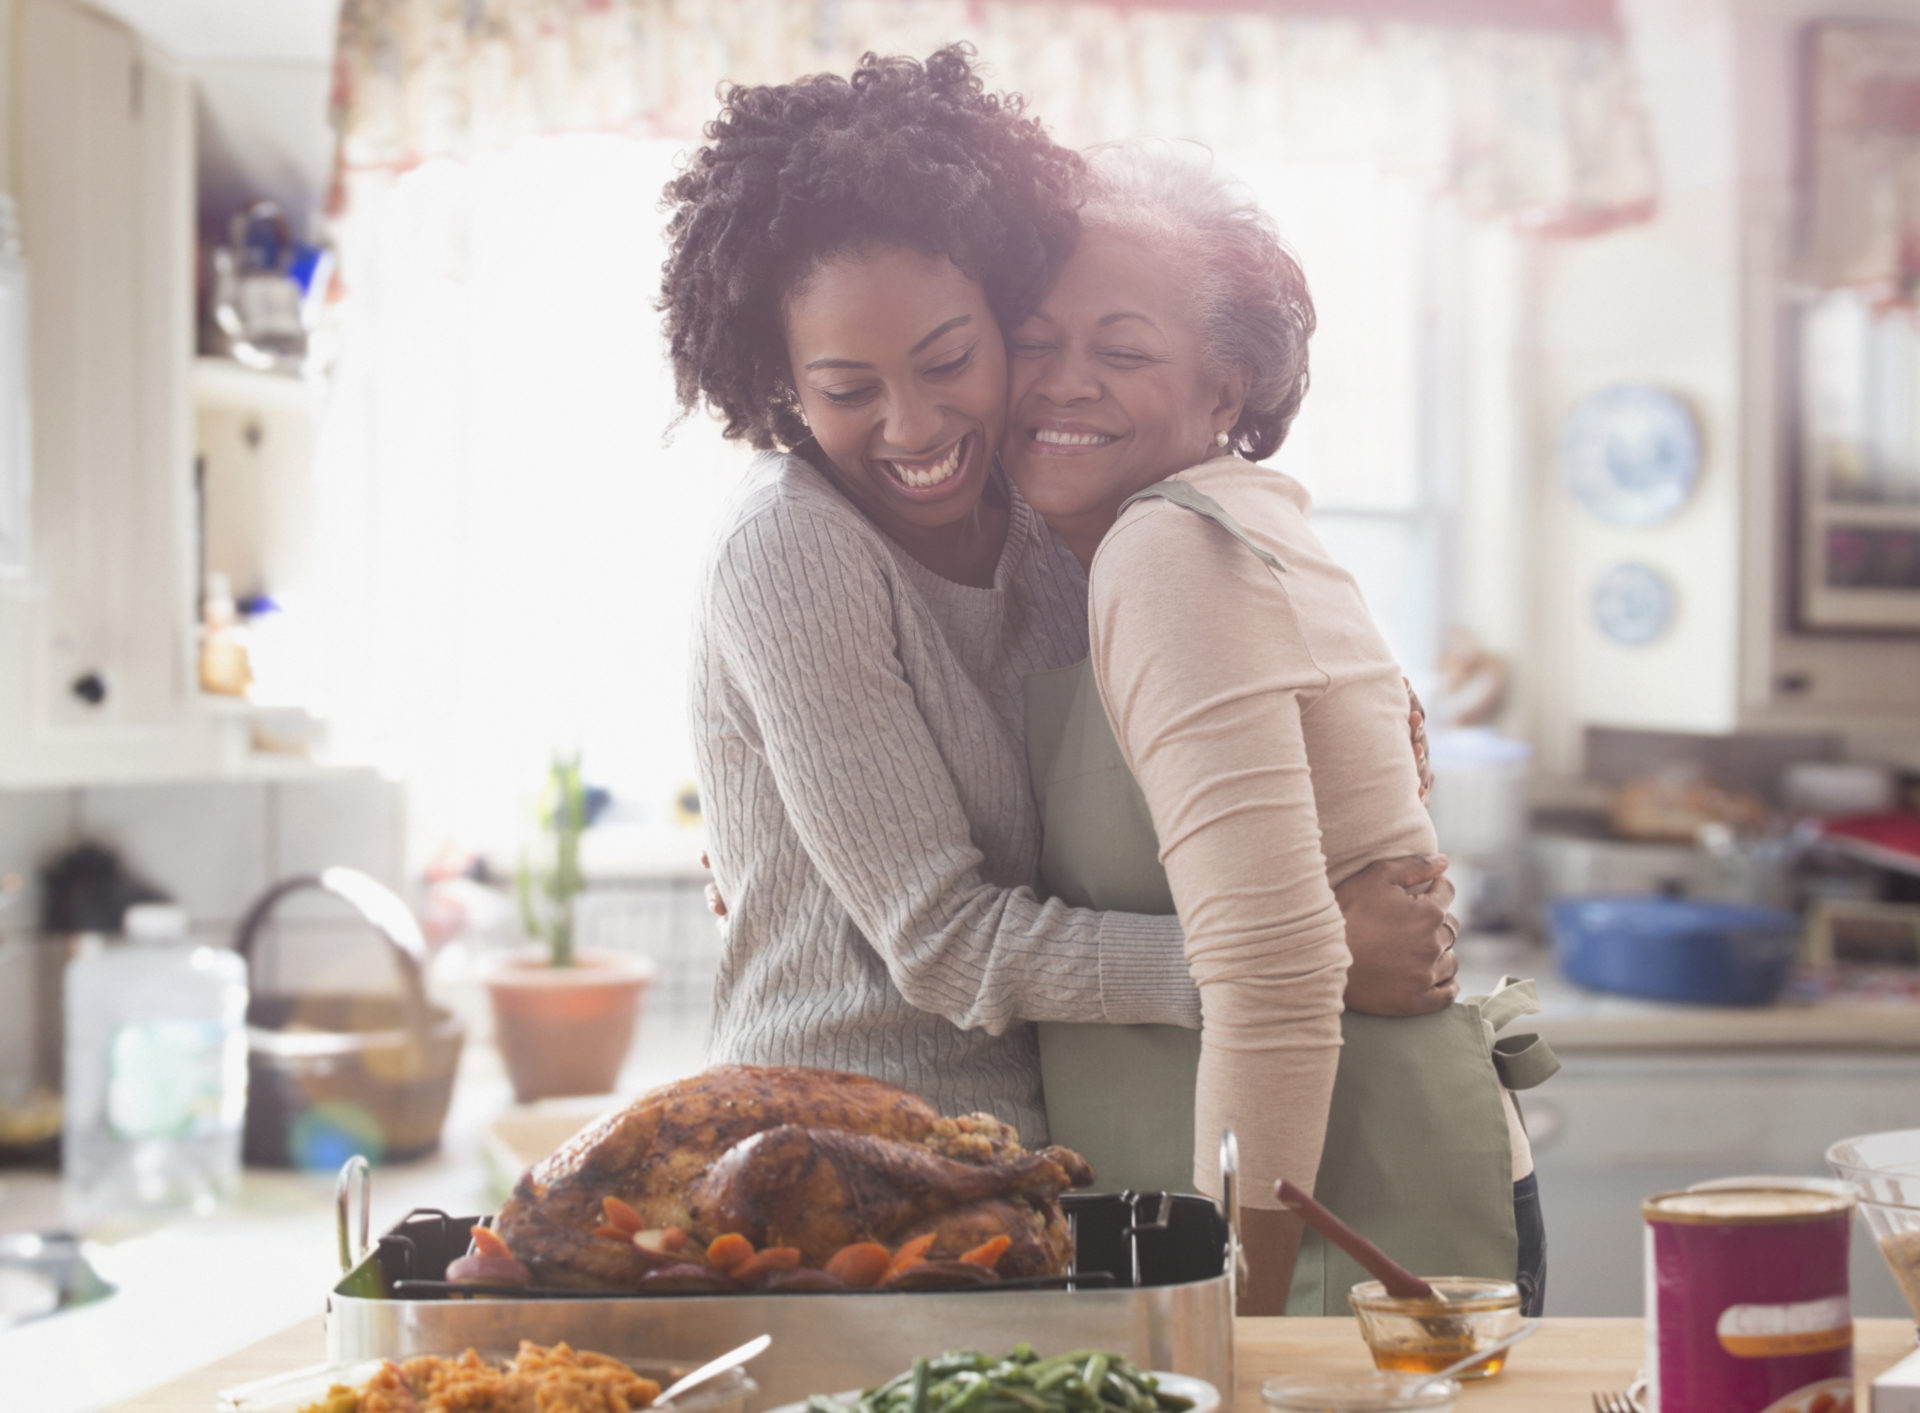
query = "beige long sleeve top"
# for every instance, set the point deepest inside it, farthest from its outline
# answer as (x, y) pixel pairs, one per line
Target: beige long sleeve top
(859, 731)
(1266, 722)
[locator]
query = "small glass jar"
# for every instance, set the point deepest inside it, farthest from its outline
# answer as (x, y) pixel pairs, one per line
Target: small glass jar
(1361, 1393)
(1425, 1336)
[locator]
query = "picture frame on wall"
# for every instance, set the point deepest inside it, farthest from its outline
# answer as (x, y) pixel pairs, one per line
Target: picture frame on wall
(1857, 514)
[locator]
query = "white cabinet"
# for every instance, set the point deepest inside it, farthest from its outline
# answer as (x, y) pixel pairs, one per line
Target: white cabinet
(1611, 1130)
(97, 680)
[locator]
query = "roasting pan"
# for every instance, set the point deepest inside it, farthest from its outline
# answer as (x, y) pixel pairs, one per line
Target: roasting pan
(1154, 1278)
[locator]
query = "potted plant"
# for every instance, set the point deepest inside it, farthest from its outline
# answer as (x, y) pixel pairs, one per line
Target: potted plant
(564, 1019)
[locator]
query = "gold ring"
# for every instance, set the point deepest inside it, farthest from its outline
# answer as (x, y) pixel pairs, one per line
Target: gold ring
(1446, 921)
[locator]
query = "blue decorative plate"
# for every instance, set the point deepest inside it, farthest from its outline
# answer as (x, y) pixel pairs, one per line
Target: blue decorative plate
(1631, 453)
(1633, 603)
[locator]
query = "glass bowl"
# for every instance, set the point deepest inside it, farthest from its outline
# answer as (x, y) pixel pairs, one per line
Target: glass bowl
(1883, 1169)
(1425, 1336)
(1362, 1393)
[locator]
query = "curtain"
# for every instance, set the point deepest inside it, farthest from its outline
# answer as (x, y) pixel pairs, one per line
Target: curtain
(1863, 154)
(1540, 126)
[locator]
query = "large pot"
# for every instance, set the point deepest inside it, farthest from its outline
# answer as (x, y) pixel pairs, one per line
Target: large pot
(566, 1030)
(330, 1075)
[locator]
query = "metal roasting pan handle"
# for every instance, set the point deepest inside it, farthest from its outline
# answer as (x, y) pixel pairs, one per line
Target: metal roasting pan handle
(1230, 1209)
(354, 1167)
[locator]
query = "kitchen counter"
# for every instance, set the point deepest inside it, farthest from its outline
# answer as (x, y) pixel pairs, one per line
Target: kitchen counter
(1562, 1367)
(195, 1289)
(1574, 1019)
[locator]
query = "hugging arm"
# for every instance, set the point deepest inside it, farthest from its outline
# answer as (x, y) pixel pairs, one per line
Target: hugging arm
(803, 613)
(1211, 724)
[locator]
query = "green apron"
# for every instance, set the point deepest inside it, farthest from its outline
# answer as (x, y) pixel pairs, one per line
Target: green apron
(1417, 1154)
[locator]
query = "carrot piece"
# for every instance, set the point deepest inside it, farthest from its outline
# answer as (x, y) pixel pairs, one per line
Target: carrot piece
(487, 1242)
(862, 1265)
(911, 1253)
(673, 1239)
(728, 1251)
(765, 1263)
(988, 1252)
(620, 1214)
(613, 1232)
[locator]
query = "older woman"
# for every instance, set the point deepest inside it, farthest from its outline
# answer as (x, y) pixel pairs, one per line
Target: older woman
(1251, 698)
(845, 254)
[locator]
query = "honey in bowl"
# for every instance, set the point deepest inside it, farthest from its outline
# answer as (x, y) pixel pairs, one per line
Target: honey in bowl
(1425, 1336)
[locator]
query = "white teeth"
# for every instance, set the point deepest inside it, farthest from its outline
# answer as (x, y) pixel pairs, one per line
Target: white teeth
(1046, 436)
(920, 478)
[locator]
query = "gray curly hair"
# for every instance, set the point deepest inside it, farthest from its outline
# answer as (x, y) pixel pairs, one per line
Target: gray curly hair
(1247, 290)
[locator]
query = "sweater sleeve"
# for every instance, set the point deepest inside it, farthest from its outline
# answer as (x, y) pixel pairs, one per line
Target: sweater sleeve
(802, 613)
(1206, 680)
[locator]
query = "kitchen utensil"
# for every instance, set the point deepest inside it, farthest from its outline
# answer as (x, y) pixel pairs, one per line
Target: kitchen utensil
(1362, 1393)
(713, 1368)
(1480, 1356)
(1670, 949)
(1151, 1279)
(1400, 1283)
(1614, 1403)
(330, 1075)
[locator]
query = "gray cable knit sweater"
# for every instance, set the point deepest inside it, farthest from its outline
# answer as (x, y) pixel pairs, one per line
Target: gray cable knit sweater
(858, 725)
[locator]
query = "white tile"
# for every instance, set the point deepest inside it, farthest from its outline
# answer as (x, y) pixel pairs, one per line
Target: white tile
(351, 820)
(34, 825)
(205, 844)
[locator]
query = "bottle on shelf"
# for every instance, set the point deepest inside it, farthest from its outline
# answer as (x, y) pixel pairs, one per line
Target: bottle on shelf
(224, 667)
(156, 1070)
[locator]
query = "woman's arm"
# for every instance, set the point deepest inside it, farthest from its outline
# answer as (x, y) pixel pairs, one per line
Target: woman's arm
(1206, 679)
(803, 616)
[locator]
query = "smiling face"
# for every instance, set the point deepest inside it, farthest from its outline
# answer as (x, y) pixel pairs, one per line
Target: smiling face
(1111, 388)
(902, 376)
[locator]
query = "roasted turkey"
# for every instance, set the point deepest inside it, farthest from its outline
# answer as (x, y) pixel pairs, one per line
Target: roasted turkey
(810, 1159)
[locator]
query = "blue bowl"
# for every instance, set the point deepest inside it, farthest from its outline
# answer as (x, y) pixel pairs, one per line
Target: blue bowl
(1669, 949)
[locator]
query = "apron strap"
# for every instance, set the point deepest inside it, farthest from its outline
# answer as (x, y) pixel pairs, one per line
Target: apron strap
(1523, 1061)
(1200, 503)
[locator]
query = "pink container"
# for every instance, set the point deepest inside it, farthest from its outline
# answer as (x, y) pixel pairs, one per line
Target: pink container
(1747, 1303)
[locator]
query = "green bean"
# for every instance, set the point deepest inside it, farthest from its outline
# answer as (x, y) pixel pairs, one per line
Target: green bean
(917, 1403)
(1172, 1402)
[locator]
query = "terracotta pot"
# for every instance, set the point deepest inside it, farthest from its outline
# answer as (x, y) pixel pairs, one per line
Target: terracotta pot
(566, 1030)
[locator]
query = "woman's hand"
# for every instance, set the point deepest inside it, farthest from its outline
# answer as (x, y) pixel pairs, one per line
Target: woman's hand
(1401, 937)
(1417, 731)
(716, 904)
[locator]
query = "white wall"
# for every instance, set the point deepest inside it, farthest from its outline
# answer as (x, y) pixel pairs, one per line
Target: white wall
(1657, 303)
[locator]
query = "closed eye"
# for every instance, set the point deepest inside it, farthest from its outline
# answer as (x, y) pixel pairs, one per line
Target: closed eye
(846, 399)
(1029, 348)
(949, 369)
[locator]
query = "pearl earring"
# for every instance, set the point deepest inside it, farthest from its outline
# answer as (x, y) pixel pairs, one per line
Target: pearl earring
(1221, 438)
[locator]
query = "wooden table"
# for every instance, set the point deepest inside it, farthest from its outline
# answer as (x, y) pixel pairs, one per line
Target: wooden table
(1559, 1368)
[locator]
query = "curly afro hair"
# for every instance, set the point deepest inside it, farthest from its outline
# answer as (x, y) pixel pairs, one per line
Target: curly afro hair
(907, 153)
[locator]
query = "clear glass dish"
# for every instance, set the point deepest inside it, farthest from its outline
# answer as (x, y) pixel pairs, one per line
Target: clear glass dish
(1364, 1393)
(302, 1388)
(1883, 1170)
(1425, 1336)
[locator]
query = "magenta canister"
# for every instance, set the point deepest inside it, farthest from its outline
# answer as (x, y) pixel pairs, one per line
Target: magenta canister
(1747, 1302)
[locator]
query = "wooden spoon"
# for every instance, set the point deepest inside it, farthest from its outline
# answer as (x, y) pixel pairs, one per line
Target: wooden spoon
(1401, 1283)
